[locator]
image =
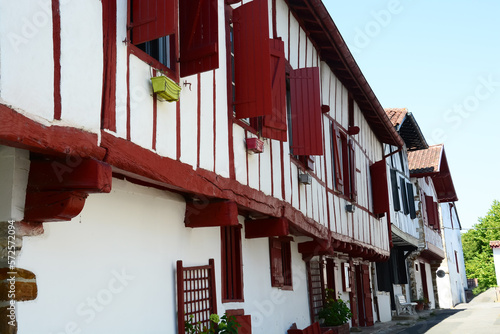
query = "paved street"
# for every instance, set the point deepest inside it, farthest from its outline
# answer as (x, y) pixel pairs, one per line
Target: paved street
(481, 315)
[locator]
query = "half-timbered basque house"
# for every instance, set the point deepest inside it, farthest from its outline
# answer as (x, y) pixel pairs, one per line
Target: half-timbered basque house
(264, 182)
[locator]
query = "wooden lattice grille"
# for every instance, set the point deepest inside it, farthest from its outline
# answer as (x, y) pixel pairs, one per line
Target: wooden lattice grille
(195, 294)
(316, 288)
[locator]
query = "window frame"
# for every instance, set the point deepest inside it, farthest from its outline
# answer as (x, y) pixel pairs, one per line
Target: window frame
(281, 267)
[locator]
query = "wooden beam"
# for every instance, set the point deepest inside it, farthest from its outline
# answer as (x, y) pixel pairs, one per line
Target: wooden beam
(53, 206)
(71, 174)
(211, 214)
(262, 228)
(315, 247)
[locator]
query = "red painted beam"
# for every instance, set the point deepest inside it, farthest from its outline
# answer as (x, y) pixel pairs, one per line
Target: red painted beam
(262, 228)
(53, 206)
(315, 247)
(19, 131)
(203, 214)
(72, 174)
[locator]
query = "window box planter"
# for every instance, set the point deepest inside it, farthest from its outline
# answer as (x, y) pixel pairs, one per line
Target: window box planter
(166, 88)
(255, 145)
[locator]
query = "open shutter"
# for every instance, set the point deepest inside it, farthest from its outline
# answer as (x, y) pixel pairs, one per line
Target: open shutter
(277, 278)
(337, 163)
(274, 126)
(411, 200)
(252, 73)
(306, 112)
(437, 226)
(380, 189)
(199, 36)
(429, 207)
(152, 19)
(395, 192)
(404, 198)
(353, 174)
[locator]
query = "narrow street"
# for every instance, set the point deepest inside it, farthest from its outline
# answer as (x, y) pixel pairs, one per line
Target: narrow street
(481, 315)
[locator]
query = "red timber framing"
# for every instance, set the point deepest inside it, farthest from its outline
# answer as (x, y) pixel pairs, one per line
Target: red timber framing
(57, 189)
(252, 71)
(196, 294)
(199, 36)
(353, 193)
(306, 112)
(232, 264)
(315, 247)
(316, 285)
(56, 42)
(108, 104)
(207, 214)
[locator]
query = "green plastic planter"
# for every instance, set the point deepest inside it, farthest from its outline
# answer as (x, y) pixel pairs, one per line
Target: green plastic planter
(166, 88)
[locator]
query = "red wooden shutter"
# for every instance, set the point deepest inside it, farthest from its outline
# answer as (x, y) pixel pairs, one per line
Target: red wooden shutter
(437, 226)
(352, 165)
(337, 149)
(252, 73)
(380, 189)
(199, 36)
(277, 278)
(152, 19)
(274, 126)
(367, 296)
(429, 206)
(306, 112)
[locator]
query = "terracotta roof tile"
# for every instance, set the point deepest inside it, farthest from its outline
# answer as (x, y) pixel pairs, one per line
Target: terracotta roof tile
(396, 115)
(495, 244)
(425, 161)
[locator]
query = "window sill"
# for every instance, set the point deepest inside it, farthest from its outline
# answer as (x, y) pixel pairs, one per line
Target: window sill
(245, 126)
(225, 301)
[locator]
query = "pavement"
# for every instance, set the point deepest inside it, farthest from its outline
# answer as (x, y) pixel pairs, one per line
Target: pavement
(481, 315)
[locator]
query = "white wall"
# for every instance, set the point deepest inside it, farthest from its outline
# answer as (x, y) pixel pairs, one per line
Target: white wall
(14, 170)
(139, 233)
(496, 259)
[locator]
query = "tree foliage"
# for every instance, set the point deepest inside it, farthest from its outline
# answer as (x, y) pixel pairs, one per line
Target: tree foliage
(477, 252)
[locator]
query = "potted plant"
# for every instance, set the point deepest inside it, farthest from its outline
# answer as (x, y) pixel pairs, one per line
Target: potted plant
(420, 304)
(218, 325)
(335, 314)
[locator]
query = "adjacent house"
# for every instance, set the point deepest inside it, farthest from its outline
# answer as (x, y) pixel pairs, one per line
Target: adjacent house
(431, 176)
(262, 183)
(406, 236)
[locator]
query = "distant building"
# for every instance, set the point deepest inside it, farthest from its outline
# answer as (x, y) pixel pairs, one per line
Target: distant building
(495, 245)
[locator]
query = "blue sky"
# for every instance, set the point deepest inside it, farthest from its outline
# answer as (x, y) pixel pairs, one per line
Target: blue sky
(441, 60)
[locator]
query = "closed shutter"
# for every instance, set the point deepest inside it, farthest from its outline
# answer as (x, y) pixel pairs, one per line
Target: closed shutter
(429, 207)
(277, 278)
(274, 125)
(337, 162)
(395, 192)
(411, 200)
(152, 19)
(404, 198)
(353, 174)
(306, 112)
(199, 36)
(252, 72)
(437, 225)
(380, 189)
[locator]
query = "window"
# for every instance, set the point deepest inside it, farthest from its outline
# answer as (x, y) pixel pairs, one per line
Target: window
(232, 268)
(281, 263)
(432, 212)
(153, 25)
(337, 158)
(316, 287)
(411, 201)
(156, 27)
(346, 277)
(404, 196)
(395, 190)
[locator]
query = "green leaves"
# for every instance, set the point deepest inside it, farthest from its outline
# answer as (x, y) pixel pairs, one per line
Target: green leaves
(478, 255)
(218, 325)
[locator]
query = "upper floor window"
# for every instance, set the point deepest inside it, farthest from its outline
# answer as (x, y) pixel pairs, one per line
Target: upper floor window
(158, 27)
(344, 163)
